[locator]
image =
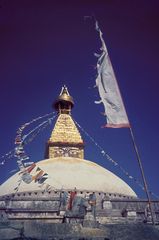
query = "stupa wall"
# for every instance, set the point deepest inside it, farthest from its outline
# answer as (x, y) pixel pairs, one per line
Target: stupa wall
(49, 207)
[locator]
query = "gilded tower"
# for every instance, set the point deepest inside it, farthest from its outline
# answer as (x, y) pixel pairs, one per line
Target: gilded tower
(65, 139)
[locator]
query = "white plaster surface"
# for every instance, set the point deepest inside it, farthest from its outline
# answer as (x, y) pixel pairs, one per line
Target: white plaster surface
(68, 173)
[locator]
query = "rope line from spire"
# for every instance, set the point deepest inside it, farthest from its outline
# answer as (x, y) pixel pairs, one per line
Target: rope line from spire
(115, 163)
(18, 152)
(27, 167)
(11, 153)
(6, 156)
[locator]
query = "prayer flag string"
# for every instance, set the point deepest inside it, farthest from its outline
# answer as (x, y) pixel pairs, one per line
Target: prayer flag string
(115, 163)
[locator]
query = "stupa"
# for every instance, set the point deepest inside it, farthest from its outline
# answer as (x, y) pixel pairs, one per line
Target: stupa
(78, 198)
(64, 163)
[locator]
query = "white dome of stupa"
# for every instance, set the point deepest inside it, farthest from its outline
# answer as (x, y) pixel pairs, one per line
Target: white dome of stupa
(69, 173)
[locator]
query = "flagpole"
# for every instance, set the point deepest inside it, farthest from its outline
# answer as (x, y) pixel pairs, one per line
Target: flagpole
(143, 175)
(113, 93)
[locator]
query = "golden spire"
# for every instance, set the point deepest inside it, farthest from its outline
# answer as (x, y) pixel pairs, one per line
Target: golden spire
(65, 139)
(64, 103)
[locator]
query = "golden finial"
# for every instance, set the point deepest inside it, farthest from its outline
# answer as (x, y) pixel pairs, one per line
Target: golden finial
(64, 103)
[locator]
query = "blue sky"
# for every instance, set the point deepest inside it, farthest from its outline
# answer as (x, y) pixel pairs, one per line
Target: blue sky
(45, 44)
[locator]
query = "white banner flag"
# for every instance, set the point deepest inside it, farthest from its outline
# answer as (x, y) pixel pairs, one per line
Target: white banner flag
(109, 91)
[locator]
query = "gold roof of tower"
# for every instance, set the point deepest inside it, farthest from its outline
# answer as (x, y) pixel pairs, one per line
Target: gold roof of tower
(64, 100)
(65, 139)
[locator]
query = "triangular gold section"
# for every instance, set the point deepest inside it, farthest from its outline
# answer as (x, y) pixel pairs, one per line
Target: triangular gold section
(65, 131)
(65, 139)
